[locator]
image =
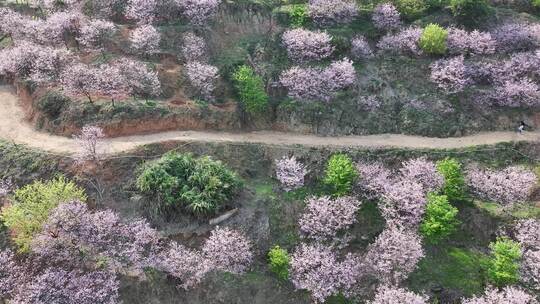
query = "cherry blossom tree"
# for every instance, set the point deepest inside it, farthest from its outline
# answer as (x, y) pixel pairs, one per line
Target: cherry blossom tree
(394, 295)
(517, 93)
(304, 45)
(462, 42)
(80, 79)
(516, 36)
(450, 74)
(193, 48)
(58, 27)
(386, 17)
(111, 83)
(360, 48)
(225, 250)
(403, 204)
(528, 234)
(424, 172)
(198, 12)
(145, 39)
(405, 42)
(6, 186)
(329, 12)
(324, 217)
(29, 61)
(508, 295)
(394, 254)
(510, 185)
(61, 286)
(72, 229)
(10, 274)
(202, 77)
(312, 84)
(143, 11)
(317, 269)
(89, 142)
(140, 80)
(95, 33)
(374, 178)
(290, 173)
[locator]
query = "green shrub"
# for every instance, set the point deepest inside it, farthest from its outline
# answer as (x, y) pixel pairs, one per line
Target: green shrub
(340, 174)
(503, 266)
(278, 261)
(410, 9)
(200, 185)
(52, 104)
(250, 89)
(454, 182)
(32, 205)
(535, 3)
(469, 12)
(440, 218)
(298, 15)
(433, 39)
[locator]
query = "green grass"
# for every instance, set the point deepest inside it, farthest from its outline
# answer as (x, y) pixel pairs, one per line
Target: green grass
(450, 268)
(526, 210)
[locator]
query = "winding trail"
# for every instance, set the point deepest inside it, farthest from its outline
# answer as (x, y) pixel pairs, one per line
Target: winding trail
(13, 127)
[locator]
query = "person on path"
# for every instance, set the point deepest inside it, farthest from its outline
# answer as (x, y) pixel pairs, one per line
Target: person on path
(522, 126)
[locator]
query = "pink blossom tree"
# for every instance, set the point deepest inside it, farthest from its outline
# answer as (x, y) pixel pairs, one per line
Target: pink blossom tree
(203, 78)
(360, 48)
(111, 83)
(6, 186)
(317, 269)
(394, 254)
(184, 264)
(422, 171)
(89, 142)
(328, 12)
(228, 250)
(10, 274)
(403, 204)
(140, 80)
(374, 178)
(145, 39)
(386, 17)
(508, 295)
(193, 48)
(450, 74)
(95, 33)
(58, 27)
(394, 295)
(198, 12)
(405, 42)
(80, 79)
(516, 36)
(522, 92)
(462, 42)
(528, 234)
(324, 217)
(72, 229)
(510, 185)
(290, 173)
(312, 84)
(304, 45)
(143, 11)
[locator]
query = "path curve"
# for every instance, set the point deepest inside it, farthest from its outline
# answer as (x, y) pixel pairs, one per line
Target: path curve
(13, 127)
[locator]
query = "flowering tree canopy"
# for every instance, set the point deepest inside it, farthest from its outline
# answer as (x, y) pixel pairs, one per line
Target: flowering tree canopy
(328, 12)
(140, 80)
(145, 39)
(324, 217)
(404, 42)
(450, 74)
(143, 11)
(386, 17)
(423, 172)
(508, 295)
(303, 45)
(193, 47)
(360, 48)
(317, 269)
(290, 173)
(95, 33)
(528, 234)
(394, 254)
(202, 77)
(462, 42)
(510, 185)
(394, 295)
(198, 12)
(89, 141)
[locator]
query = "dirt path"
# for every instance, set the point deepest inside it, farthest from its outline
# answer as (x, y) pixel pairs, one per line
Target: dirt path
(14, 128)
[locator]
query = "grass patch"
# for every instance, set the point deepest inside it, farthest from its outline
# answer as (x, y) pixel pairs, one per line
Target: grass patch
(450, 268)
(525, 210)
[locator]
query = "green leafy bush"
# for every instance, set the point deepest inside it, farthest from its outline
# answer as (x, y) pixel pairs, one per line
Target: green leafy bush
(503, 267)
(410, 9)
(278, 261)
(340, 174)
(52, 104)
(440, 218)
(200, 185)
(454, 182)
(535, 3)
(298, 15)
(469, 12)
(250, 89)
(32, 205)
(433, 39)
